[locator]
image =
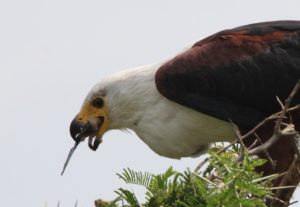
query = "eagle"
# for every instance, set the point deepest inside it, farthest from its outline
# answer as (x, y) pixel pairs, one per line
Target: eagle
(180, 106)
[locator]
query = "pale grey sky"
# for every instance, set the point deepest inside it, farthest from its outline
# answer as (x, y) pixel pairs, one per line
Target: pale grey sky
(53, 51)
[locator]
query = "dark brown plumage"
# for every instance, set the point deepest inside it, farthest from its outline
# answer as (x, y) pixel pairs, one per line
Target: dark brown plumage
(236, 75)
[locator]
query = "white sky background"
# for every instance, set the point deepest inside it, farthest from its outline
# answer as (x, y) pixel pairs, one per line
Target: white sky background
(52, 52)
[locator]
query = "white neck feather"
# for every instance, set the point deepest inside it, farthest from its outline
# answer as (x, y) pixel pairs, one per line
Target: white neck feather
(128, 93)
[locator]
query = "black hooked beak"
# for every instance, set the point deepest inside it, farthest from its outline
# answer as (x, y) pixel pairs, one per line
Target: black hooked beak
(80, 130)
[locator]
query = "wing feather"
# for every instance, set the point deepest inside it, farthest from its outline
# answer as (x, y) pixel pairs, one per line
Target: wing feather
(236, 74)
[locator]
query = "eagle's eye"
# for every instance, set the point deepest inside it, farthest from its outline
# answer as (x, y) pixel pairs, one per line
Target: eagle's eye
(98, 102)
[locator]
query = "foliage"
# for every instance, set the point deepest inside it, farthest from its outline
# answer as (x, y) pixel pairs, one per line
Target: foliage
(224, 183)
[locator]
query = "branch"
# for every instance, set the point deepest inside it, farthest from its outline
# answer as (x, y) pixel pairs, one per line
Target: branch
(286, 106)
(272, 162)
(287, 132)
(278, 133)
(270, 118)
(292, 177)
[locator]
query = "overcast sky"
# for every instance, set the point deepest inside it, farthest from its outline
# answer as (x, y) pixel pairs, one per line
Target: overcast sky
(53, 51)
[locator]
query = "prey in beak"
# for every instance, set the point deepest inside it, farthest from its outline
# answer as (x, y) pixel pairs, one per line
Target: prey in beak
(80, 131)
(92, 122)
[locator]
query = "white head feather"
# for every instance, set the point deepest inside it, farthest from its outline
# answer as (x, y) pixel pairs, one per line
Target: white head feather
(127, 93)
(168, 128)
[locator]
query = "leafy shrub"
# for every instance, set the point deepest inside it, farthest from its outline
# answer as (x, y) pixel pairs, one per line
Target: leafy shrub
(224, 183)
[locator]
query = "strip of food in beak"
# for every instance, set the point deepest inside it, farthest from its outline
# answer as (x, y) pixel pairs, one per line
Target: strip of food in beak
(69, 157)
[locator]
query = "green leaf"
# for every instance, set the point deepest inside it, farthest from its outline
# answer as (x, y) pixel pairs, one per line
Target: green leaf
(138, 178)
(128, 196)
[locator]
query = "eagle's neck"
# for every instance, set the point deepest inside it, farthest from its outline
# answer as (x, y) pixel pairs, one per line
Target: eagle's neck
(131, 92)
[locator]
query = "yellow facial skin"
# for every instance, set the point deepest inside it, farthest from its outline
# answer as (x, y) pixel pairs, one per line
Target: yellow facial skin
(89, 112)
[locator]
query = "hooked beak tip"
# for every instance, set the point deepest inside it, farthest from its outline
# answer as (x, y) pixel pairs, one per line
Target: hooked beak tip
(94, 143)
(76, 129)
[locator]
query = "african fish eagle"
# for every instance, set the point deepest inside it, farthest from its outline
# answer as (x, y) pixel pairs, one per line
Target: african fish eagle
(180, 106)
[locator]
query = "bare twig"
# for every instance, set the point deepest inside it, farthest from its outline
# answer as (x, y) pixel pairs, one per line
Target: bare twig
(276, 199)
(292, 178)
(200, 165)
(272, 162)
(270, 118)
(287, 132)
(280, 102)
(240, 140)
(278, 133)
(239, 136)
(283, 187)
(253, 144)
(207, 180)
(269, 177)
(286, 106)
(293, 203)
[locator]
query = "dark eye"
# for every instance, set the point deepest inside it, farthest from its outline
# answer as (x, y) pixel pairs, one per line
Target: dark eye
(98, 103)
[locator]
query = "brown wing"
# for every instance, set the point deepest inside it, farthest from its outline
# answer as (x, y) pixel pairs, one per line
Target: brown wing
(236, 74)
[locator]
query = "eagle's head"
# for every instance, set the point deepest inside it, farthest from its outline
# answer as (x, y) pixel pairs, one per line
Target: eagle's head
(114, 103)
(92, 121)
